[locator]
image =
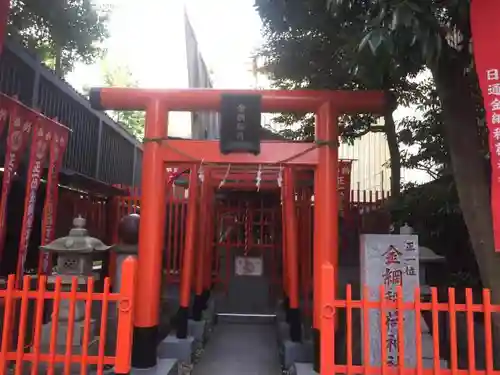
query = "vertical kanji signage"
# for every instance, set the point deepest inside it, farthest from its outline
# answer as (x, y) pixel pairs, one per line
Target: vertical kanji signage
(485, 27)
(344, 184)
(240, 126)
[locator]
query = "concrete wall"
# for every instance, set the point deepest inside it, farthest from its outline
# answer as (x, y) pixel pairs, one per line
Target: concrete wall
(204, 125)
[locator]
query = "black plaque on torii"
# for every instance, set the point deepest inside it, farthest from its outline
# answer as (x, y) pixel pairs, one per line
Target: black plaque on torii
(240, 127)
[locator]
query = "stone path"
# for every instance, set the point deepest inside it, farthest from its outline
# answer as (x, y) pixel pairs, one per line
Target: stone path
(242, 349)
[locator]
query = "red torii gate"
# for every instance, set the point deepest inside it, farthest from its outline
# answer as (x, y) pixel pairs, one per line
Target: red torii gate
(326, 105)
(158, 150)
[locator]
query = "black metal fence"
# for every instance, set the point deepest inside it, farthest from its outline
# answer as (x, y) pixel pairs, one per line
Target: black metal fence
(98, 148)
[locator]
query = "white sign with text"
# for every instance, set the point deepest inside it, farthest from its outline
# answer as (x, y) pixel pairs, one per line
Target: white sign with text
(248, 266)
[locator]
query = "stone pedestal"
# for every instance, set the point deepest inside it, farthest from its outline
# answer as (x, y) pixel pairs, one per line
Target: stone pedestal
(292, 352)
(197, 330)
(166, 366)
(295, 352)
(76, 254)
(180, 349)
(63, 326)
(302, 369)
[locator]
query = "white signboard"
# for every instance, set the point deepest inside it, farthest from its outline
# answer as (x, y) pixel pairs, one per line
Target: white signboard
(248, 266)
(391, 261)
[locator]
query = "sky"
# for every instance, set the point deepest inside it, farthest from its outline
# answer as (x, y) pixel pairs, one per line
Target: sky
(147, 37)
(142, 32)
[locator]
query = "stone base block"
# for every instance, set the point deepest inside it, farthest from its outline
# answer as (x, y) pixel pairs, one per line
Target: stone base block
(166, 366)
(62, 333)
(58, 368)
(173, 348)
(209, 312)
(296, 352)
(303, 369)
(280, 315)
(209, 316)
(196, 329)
(283, 331)
(235, 318)
(75, 368)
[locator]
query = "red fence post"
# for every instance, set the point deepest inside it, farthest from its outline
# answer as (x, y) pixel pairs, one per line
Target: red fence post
(126, 317)
(327, 336)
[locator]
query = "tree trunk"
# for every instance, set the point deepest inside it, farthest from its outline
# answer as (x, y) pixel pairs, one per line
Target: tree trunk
(468, 165)
(392, 143)
(471, 177)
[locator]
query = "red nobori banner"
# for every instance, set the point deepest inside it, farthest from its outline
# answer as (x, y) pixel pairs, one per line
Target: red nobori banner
(21, 121)
(344, 183)
(485, 27)
(344, 178)
(40, 142)
(5, 105)
(57, 149)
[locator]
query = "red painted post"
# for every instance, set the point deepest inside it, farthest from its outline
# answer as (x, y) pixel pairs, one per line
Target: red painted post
(201, 252)
(327, 315)
(326, 248)
(188, 256)
(292, 256)
(151, 236)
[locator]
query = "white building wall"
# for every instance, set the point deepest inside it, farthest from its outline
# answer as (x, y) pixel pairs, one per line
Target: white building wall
(184, 69)
(204, 124)
(370, 168)
(175, 70)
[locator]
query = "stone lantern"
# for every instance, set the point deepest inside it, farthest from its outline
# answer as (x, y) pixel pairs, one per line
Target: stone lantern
(76, 253)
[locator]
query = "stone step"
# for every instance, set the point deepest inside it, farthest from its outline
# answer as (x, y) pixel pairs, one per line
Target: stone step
(165, 366)
(302, 369)
(246, 318)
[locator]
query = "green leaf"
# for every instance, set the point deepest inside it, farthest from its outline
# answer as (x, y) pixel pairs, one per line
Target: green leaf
(364, 41)
(413, 6)
(375, 40)
(333, 4)
(395, 18)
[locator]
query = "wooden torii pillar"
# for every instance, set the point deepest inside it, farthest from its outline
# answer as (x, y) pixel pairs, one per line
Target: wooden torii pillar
(158, 150)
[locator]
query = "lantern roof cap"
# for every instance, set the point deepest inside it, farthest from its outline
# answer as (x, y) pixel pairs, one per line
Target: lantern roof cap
(77, 241)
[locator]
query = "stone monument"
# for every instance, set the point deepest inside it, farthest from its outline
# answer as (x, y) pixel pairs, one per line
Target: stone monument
(391, 261)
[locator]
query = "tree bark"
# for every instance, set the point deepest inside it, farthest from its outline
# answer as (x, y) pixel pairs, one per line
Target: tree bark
(469, 168)
(471, 177)
(392, 143)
